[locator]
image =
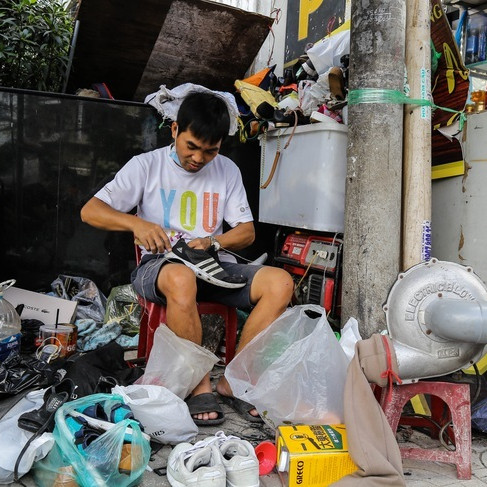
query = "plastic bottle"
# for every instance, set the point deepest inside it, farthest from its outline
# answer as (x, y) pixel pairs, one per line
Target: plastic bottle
(10, 324)
(472, 49)
(482, 43)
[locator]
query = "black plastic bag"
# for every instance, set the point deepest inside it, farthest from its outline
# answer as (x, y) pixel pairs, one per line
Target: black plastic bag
(100, 370)
(18, 373)
(91, 301)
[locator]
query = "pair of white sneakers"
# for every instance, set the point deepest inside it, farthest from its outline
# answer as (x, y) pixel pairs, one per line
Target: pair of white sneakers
(216, 461)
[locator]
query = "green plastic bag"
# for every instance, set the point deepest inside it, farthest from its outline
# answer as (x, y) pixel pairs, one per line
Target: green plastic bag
(124, 308)
(116, 458)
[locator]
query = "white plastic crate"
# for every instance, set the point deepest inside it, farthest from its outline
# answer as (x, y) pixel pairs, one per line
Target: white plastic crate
(308, 187)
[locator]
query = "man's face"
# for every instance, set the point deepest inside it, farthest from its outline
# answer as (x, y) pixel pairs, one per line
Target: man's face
(192, 152)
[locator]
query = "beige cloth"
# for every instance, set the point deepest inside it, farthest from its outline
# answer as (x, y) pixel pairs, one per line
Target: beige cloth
(371, 442)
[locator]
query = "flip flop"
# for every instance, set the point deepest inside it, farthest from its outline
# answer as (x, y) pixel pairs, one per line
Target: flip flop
(243, 408)
(205, 403)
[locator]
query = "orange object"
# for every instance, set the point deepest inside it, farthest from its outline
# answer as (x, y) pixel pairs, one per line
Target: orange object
(257, 78)
(478, 96)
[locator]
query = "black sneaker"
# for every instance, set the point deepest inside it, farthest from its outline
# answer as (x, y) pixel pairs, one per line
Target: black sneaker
(204, 265)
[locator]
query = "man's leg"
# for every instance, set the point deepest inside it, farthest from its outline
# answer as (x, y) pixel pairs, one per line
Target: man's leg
(178, 284)
(271, 292)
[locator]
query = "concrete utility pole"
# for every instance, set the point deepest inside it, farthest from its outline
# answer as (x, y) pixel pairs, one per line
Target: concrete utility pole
(374, 170)
(416, 240)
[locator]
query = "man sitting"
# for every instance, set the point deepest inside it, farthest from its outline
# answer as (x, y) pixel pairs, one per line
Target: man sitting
(186, 191)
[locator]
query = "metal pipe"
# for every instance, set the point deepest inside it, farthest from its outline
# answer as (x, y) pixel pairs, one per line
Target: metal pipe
(71, 55)
(457, 320)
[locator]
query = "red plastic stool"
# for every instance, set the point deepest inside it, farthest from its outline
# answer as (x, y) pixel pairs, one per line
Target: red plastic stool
(153, 315)
(457, 398)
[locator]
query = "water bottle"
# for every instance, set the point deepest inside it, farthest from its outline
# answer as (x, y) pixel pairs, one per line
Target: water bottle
(482, 43)
(472, 48)
(10, 327)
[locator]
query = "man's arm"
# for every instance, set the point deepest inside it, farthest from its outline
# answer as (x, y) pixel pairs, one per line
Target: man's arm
(100, 215)
(236, 238)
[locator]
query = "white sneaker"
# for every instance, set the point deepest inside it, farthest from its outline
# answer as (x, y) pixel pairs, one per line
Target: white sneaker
(239, 459)
(195, 465)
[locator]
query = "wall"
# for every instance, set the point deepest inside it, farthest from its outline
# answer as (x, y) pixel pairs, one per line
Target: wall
(55, 152)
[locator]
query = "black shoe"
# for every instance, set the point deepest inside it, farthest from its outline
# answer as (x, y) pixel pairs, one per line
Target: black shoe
(43, 418)
(204, 265)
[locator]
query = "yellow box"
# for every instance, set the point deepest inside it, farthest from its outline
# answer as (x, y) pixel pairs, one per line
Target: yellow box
(313, 455)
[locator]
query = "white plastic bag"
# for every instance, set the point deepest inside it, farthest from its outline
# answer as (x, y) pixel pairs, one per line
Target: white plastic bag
(176, 363)
(350, 335)
(164, 416)
(294, 371)
(13, 439)
(328, 51)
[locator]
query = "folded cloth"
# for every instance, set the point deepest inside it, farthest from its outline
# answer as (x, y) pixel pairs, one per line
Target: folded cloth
(167, 102)
(371, 442)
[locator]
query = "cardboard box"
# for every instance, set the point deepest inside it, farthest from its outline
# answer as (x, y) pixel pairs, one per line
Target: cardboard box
(312, 455)
(41, 307)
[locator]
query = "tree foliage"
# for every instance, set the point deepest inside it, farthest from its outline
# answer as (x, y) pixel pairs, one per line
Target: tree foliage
(35, 37)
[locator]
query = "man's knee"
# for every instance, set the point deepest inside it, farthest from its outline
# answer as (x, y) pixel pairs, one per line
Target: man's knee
(275, 283)
(177, 279)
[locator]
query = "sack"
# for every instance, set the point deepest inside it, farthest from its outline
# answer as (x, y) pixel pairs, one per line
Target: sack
(114, 458)
(164, 416)
(91, 301)
(176, 363)
(294, 371)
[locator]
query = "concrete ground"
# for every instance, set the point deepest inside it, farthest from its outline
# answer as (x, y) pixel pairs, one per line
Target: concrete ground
(417, 473)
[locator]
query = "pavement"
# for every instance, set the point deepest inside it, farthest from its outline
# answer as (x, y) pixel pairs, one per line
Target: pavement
(417, 473)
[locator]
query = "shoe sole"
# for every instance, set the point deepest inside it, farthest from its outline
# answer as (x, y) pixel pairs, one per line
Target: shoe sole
(204, 275)
(177, 483)
(173, 481)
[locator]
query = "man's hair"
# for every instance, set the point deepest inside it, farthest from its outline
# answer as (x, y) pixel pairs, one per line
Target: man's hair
(206, 115)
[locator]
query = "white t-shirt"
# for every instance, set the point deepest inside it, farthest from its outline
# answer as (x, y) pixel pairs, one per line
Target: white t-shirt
(186, 205)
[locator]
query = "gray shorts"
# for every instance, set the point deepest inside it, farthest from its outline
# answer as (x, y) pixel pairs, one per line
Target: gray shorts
(144, 278)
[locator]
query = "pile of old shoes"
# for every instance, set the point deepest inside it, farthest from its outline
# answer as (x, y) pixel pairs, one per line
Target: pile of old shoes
(281, 117)
(217, 461)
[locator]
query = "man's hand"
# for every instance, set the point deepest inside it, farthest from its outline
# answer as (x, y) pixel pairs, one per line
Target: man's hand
(151, 236)
(200, 243)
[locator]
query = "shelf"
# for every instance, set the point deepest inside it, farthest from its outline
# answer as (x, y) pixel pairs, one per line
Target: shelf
(479, 70)
(476, 5)
(480, 66)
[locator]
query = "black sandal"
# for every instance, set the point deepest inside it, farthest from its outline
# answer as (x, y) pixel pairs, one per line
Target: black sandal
(40, 420)
(205, 403)
(43, 418)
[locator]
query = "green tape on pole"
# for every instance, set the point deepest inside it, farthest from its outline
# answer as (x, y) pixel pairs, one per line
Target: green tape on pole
(378, 95)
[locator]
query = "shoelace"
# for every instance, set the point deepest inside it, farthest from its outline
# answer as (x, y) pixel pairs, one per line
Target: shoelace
(218, 439)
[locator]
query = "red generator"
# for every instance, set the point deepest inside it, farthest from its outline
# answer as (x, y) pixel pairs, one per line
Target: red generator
(315, 263)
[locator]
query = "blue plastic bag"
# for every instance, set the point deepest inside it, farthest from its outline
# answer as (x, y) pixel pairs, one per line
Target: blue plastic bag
(117, 457)
(479, 415)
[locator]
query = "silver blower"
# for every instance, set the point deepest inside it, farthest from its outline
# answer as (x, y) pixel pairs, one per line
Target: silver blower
(436, 315)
